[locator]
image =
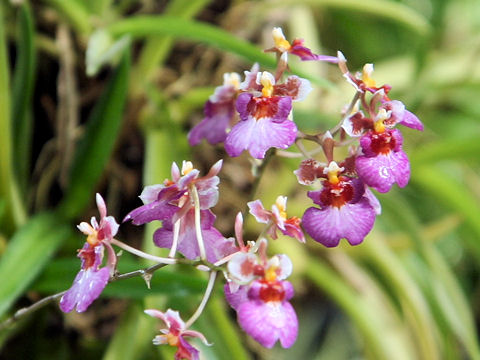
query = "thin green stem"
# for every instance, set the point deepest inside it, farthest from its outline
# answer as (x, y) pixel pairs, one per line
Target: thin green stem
(206, 296)
(142, 254)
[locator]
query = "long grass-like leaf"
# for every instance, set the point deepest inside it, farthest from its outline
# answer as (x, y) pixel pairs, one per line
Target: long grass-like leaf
(143, 26)
(22, 88)
(14, 211)
(97, 144)
(386, 9)
(74, 12)
(27, 253)
(452, 193)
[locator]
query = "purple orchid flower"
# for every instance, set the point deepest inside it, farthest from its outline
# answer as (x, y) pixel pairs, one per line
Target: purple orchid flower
(175, 334)
(219, 113)
(345, 211)
(263, 308)
(263, 122)
(216, 245)
(278, 218)
(297, 48)
(91, 279)
(383, 161)
(172, 200)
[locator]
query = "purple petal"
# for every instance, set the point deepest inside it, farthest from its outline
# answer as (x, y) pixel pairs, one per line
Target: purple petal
(240, 137)
(250, 82)
(186, 351)
(372, 199)
(330, 224)
(235, 299)
(259, 136)
(216, 245)
(214, 126)
(267, 322)
(157, 210)
(242, 105)
(411, 120)
(87, 286)
(259, 212)
(208, 192)
(382, 171)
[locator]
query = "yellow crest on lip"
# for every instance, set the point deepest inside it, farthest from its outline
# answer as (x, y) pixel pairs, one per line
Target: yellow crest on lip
(367, 76)
(281, 204)
(332, 171)
(281, 43)
(378, 125)
(267, 81)
(187, 166)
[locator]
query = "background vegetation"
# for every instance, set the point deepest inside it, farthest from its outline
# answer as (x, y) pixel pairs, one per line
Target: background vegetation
(98, 95)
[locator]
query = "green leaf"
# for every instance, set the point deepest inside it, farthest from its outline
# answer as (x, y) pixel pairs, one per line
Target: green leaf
(143, 26)
(456, 148)
(157, 48)
(390, 10)
(74, 12)
(14, 210)
(452, 193)
(27, 253)
(22, 89)
(98, 141)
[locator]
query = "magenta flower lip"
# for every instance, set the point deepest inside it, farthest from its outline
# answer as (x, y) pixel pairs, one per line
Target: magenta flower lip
(383, 162)
(345, 212)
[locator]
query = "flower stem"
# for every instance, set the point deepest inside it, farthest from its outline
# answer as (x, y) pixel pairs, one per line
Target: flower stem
(142, 254)
(198, 227)
(30, 309)
(176, 232)
(206, 296)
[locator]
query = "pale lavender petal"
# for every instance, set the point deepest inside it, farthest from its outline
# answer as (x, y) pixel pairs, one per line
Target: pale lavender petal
(382, 171)
(173, 321)
(150, 193)
(187, 179)
(330, 224)
(411, 120)
(268, 134)
(240, 137)
(223, 93)
(250, 82)
(285, 267)
(207, 191)
(214, 125)
(259, 212)
(108, 228)
(87, 286)
(372, 199)
(294, 230)
(267, 322)
(235, 299)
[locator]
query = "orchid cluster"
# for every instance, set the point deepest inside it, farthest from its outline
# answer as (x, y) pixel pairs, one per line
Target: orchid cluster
(256, 115)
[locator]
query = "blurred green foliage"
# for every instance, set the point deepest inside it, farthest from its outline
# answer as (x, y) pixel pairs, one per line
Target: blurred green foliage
(410, 291)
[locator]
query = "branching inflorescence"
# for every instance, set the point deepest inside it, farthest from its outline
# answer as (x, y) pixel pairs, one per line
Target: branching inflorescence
(256, 115)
